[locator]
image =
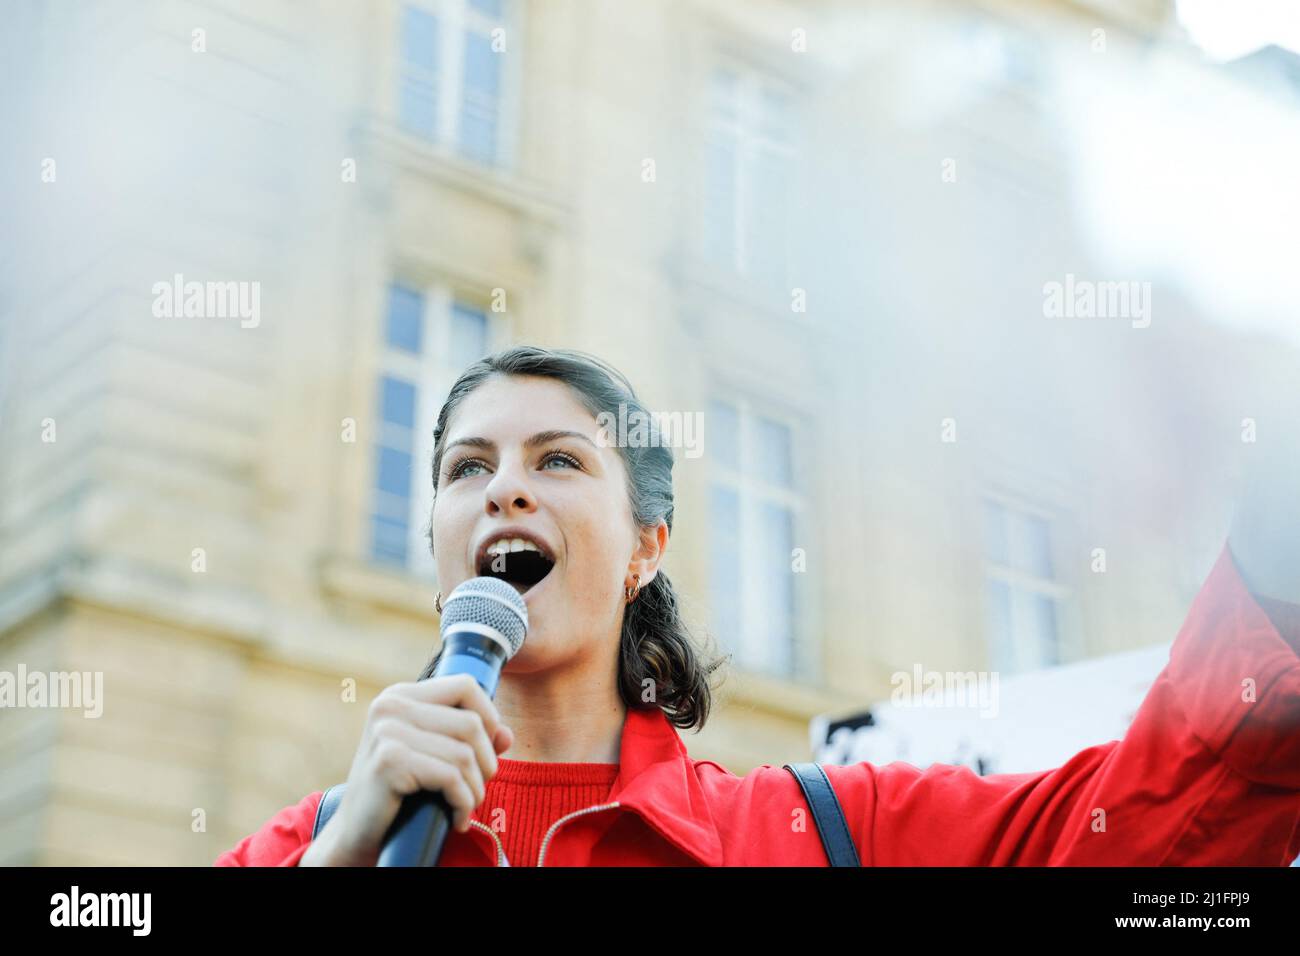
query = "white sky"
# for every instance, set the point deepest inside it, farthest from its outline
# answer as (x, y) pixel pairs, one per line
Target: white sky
(1191, 181)
(1227, 29)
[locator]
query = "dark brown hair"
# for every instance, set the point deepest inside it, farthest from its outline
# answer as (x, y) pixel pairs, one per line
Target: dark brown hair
(655, 644)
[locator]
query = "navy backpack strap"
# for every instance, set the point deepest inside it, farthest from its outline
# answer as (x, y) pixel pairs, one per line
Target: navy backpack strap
(827, 813)
(329, 802)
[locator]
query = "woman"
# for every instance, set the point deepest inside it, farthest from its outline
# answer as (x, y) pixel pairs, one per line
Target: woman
(589, 708)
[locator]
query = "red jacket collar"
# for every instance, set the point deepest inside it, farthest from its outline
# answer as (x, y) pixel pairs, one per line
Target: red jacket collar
(657, 781)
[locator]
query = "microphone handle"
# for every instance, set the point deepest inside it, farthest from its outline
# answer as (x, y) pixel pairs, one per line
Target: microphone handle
(420, 828)
(418, 831)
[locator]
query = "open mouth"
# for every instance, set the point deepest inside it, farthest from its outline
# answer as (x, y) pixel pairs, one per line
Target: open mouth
(523, 570)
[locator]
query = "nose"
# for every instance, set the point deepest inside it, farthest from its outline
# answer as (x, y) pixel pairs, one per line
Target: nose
(509, 492)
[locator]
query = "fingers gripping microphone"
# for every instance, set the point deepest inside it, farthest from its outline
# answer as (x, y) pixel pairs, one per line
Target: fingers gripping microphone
(484, 623)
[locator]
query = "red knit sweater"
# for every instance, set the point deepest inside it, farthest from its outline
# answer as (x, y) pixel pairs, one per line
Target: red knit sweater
(525, 797)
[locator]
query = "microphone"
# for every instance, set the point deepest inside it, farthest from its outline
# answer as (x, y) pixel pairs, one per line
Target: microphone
(484, 623)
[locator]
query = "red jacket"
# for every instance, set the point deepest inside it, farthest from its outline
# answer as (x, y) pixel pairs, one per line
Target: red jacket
(1202, 777)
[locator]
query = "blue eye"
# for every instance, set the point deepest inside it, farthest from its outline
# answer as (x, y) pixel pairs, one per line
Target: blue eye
(457, 470)
(561, 456)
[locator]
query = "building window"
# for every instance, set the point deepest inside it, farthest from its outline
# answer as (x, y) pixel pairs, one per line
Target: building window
(753, 511)
(749, 162)
(429, 337)
(997, 53)
(450, 78)
(1021, 591)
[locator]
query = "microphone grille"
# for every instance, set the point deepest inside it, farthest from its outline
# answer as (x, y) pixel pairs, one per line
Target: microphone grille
(490, 602)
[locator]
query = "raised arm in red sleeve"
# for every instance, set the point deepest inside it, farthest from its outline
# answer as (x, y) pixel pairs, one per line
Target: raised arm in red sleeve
(1207, 774)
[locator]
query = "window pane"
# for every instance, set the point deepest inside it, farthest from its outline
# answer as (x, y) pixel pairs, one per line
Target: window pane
(770, 562)
(491, 7)
(417, 109)
(1044, 639)
(723, 90)
(777, 110)
(394, 476)
(720, 199)
(766, 228)
(482, 65)
(995, 534)
(405, 315)
(1032, 549)
(723, 434)
(419, 38)
(388, 540)
(775, 533)
(1020, 60)
(773, 451)
(1033, 626)
(998, 624)
(478, 136)
(468, 335)
(398, 402)
(393, 507)
(725, 595)
(478, 120)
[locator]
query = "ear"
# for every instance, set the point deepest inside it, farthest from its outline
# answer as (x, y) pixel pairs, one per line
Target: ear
(653, 543)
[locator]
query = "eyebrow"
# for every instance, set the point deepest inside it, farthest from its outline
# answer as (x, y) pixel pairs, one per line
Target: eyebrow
(541, 438)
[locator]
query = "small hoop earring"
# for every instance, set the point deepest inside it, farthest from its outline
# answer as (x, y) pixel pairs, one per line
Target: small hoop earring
(437, 602)
(629, 592)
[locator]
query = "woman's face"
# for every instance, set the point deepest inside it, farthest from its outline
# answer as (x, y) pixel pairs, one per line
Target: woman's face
(501, 470)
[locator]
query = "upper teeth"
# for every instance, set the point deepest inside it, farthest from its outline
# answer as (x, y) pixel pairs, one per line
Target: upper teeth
(506, 545)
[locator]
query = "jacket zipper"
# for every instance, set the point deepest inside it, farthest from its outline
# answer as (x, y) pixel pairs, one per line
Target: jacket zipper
(569, 816)
(501, 850)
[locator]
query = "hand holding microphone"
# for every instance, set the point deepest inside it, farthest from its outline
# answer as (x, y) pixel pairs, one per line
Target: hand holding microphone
(429, 747)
